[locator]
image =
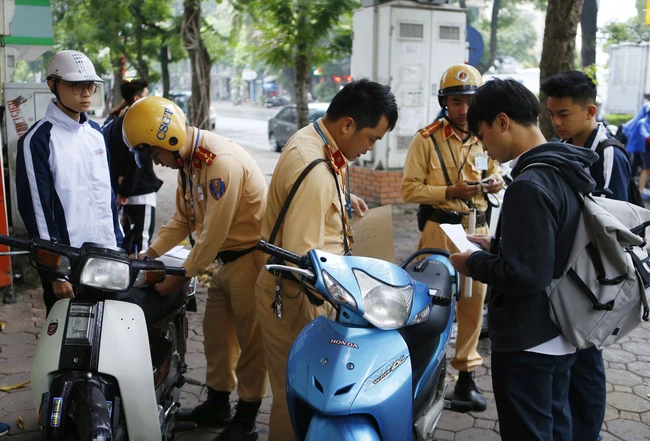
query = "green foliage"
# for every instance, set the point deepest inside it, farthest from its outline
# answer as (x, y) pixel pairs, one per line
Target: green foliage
(617, 119)
(325, 91)
(514, 39)
(275, 34)
(633, 30)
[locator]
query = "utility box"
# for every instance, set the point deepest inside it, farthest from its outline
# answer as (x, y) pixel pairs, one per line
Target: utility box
(629, 77)
(407, 45)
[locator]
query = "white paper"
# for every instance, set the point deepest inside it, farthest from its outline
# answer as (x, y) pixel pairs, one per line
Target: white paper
(458, 236)
(179, 252)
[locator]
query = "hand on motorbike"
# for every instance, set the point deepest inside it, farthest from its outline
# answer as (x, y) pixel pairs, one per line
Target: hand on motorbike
(463, 190)
(358, 204)
(482, 240)
(62, 289)
(459, 261)
(493, 185)
(170, 284)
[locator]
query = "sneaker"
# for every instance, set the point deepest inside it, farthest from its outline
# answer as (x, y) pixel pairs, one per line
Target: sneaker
(4, 429)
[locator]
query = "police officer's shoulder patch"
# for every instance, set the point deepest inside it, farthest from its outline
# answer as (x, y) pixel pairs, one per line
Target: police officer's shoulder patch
(217, 188)
(431, 128)
(205, 155)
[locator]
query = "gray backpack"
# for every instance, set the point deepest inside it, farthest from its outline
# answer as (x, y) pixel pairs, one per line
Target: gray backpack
(602, 294)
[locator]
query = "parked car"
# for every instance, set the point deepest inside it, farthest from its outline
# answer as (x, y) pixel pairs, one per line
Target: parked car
(276, 101)
(283, 124)
(182, 100)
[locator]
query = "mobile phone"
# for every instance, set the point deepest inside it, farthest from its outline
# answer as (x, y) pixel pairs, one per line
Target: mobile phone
(472, 182)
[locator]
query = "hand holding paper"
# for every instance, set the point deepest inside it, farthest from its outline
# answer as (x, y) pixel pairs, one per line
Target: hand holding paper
(458, 236)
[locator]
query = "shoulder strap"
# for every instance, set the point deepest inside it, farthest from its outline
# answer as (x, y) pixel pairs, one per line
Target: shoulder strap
(442, 161)
(290, 196)
(609, 142)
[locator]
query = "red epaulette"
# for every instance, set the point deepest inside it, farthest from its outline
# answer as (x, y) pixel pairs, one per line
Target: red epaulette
(428, 130)
(205, 155)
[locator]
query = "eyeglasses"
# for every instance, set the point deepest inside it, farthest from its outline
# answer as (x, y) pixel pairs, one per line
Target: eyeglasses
(78, 88)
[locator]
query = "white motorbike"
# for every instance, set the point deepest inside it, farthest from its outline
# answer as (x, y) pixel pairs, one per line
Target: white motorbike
(110, 362)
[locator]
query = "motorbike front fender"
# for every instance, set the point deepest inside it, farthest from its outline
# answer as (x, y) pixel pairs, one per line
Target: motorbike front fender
(90, 412)
(344, 428)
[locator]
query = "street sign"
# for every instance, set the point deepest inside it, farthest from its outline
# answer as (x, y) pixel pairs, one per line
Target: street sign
(476, 46)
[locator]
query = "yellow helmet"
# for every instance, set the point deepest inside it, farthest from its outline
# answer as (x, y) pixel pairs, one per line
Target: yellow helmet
(154, 121)
(461, 79)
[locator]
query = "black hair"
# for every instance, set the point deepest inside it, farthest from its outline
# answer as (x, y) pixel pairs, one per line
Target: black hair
(366, 102)
(574, 84)
(503, 96)
(129, 89)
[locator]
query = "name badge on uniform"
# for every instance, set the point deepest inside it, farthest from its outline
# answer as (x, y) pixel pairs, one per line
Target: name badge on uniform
(481, 161)
(199, 191)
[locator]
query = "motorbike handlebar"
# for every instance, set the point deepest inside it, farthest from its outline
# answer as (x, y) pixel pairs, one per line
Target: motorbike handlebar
(15, 243)
(175, 270)
(281, 253)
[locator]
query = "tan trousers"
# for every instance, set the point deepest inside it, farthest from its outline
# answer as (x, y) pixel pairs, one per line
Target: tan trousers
(469, 311)
(278, 336)
(232, 340)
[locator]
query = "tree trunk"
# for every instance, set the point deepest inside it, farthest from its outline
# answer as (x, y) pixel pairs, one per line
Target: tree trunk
(141, 64)
(118, 66)
(302, 70)
(558, 52)
(164, 68)
(494, 25)
(199, 105)
(589, 26)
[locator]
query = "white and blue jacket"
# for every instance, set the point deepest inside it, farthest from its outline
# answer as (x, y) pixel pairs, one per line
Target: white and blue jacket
(63, 184)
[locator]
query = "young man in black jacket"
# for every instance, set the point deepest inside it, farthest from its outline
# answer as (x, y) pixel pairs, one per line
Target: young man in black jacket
(531, 360)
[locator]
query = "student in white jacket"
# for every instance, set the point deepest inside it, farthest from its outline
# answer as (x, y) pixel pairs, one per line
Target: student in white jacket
(62, 175)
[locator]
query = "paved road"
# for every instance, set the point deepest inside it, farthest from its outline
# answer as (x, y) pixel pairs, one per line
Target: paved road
(627, 363)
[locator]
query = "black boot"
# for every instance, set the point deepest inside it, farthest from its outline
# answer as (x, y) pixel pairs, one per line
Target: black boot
(466, 390)
(242, 427)
(215, 411)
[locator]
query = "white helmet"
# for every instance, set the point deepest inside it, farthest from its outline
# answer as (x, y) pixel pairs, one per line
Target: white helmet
(72, 66)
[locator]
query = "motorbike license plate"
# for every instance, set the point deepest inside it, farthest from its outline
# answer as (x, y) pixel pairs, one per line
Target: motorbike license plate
(81, 325)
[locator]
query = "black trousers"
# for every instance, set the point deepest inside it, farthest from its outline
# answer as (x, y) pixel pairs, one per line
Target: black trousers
(532, 395)
(48, 295)
(138, 224)
(588, 394)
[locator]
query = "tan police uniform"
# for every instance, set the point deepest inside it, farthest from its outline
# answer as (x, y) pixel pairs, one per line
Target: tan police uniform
(313, 220)
(424, 182)
(225, 207)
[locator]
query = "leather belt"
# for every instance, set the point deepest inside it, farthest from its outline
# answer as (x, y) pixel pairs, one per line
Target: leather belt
(454, 217)
(224, 257)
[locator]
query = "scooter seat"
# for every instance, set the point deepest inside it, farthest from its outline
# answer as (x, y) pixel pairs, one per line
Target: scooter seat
(157, 309)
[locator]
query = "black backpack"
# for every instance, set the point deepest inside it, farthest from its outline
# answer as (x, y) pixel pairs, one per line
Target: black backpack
(633, 193)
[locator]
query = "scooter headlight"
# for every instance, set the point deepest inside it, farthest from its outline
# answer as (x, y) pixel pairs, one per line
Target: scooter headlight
(114, 275)
(385, 306)
(338, 293)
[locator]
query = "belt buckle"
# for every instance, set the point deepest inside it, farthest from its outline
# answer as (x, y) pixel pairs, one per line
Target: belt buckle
(464, 220)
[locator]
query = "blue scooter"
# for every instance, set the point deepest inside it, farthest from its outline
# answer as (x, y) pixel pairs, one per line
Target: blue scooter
(377, 372)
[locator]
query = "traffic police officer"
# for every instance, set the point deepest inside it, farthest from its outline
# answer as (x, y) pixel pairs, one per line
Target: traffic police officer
(443, 171)
(221, 197)
(358, 116)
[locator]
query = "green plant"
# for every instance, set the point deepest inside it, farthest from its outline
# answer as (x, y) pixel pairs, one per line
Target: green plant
(618, 119)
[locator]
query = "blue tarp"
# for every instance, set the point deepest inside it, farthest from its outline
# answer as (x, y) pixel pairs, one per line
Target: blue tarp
(637, 130)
